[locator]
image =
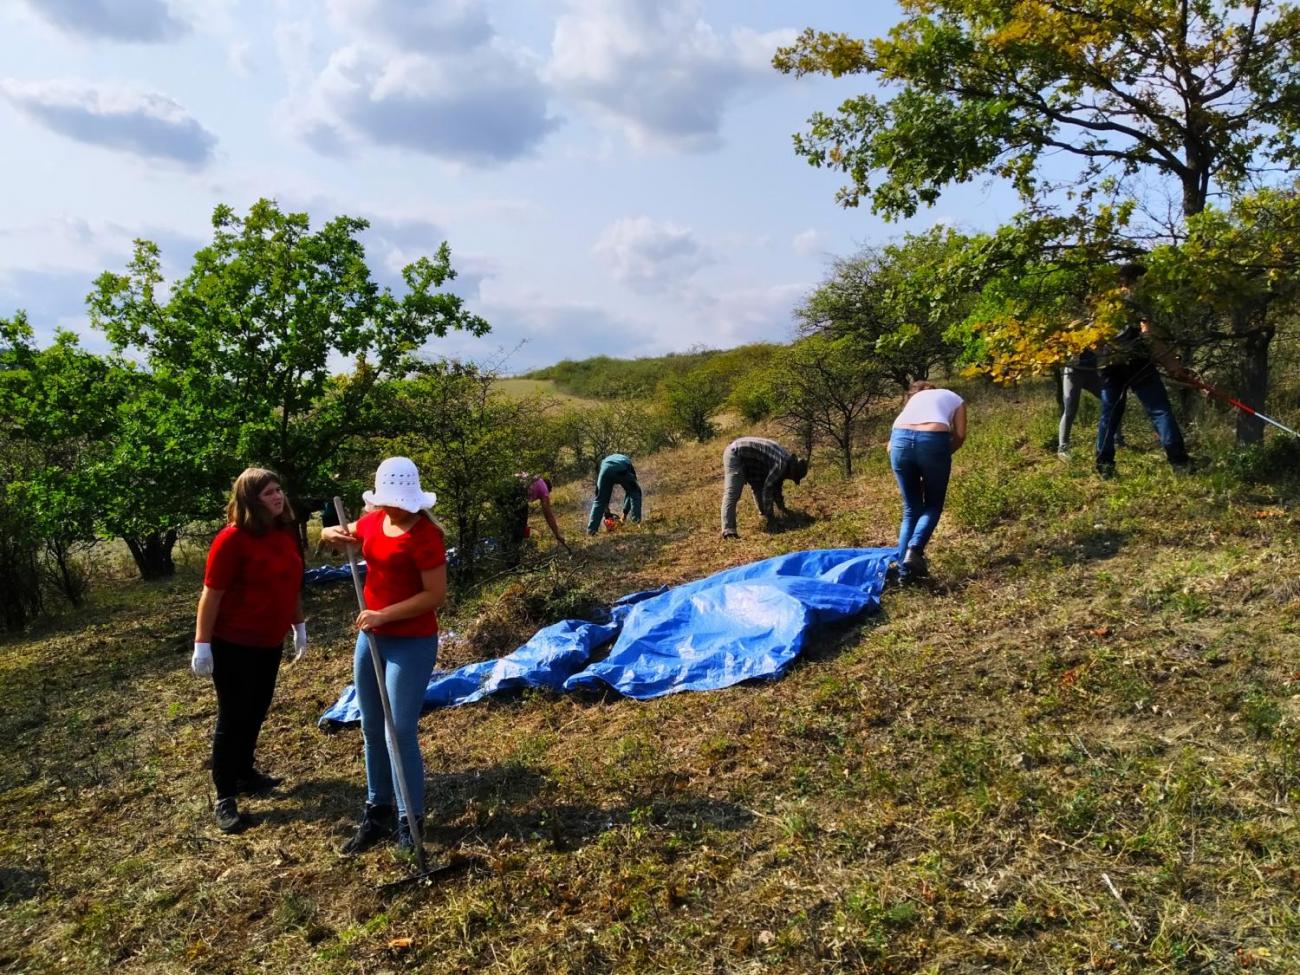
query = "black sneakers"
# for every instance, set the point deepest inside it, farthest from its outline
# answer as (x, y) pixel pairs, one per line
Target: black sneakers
(227, 815)
(405, 841)
(376, 826)
(256, 782)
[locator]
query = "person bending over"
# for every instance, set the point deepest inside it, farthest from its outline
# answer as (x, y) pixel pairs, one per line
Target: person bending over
(929, 430)
(765, 466)
(616, 470)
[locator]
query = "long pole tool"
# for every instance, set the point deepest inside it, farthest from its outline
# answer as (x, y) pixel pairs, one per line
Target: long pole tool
(423, 871)
(1232, 401)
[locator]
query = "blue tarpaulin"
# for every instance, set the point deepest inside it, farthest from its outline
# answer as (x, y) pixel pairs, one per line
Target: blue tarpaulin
(331, 573)
(736, 625)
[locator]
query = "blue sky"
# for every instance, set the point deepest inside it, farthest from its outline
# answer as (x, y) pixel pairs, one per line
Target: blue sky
(613, 176)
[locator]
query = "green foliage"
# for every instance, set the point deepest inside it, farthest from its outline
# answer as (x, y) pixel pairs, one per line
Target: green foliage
(581, 438)
(1186, 99)
(605, 377)
(1273, 461)
(896, 303)
(243, 352)
(988, 87)
(823, 386)
(65, 408)
(468, 443)
(692, 400)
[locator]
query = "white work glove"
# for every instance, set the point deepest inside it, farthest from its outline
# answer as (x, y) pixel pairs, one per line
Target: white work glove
(201, 662)
(299, 641)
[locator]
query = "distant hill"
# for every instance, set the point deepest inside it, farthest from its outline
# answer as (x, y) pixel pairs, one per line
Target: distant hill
(605, 376)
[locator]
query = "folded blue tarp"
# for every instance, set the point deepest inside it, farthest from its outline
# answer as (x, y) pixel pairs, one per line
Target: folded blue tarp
(739, 624)
(331, 573)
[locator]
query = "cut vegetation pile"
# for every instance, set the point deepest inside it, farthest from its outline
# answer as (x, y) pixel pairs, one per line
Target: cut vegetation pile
(1078, 750)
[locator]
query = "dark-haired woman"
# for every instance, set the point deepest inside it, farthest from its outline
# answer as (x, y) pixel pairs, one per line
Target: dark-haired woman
(929, 430)
(252, 598)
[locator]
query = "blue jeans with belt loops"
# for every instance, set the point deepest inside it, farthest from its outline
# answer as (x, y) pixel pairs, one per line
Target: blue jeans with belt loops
(408, 664)
(922, 462)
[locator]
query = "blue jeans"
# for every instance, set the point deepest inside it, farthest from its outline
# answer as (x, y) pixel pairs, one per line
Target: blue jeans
(408, 664)
(615, 471)
(1143, 380)
(922, 462)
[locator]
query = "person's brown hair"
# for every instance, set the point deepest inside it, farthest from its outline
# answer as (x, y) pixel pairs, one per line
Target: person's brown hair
(917, 387)
(246, 511)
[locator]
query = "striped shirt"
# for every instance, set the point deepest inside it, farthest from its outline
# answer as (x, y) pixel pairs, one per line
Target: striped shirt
(764, 464)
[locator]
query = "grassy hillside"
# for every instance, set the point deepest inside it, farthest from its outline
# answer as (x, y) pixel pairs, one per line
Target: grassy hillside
(524, 388)
(603, 377)
(1077, 750)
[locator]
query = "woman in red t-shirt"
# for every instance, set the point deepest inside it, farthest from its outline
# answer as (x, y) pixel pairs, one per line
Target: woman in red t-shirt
(406, 582)
(252, 597)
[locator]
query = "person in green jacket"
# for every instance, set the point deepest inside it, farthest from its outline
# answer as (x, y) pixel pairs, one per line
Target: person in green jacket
(616, 470)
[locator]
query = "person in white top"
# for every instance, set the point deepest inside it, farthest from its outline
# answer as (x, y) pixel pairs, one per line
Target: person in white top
(929, 430)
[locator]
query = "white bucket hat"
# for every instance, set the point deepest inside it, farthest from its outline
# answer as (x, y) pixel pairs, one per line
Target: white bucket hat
(397, 485)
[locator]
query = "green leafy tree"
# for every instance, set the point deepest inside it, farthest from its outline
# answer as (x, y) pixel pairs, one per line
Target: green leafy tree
(469, 444)
(1232, 284)
(246, 344)
(823, 389)
(62, 404)
(1202, 92)
(1180, 98)
(693, 399)
(897, 303)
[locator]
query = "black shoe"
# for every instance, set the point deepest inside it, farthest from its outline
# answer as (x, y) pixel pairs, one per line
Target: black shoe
(914, 565)
(1106, 472)
(1185, 466)
(405, 841)
(376, 826)
(255, 783)
(227, 815)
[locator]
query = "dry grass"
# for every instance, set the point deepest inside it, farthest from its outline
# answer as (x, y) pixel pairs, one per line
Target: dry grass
(525, 388)
(1077, 751)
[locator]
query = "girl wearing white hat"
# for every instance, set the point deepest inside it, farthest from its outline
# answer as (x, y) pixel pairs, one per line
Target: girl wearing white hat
(406, 582)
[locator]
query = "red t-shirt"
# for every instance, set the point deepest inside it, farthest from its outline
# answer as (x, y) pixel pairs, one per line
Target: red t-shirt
(393, 567)
(261, 576)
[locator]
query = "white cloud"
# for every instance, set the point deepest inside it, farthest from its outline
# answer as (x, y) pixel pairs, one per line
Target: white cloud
(147, 21)
(142, 123)
(414, 25)
(747, 313)
(808, 242)
(657, 68)
(482, 107)
(430, 78)
(649, 256)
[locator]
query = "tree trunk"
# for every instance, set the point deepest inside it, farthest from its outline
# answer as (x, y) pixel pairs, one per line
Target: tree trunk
(806, 436)
(153, 554)
(846, 447)
(1254, 385)
(20, 583)
(70, 582)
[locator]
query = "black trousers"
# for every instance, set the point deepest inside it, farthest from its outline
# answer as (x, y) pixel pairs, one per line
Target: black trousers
(245, 682)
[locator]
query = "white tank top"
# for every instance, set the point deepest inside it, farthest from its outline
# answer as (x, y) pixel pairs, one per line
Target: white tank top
(930, 406)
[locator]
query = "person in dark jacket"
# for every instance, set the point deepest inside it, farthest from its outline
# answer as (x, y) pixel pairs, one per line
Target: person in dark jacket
(1128, 364)
(765, 466)
(616, 470)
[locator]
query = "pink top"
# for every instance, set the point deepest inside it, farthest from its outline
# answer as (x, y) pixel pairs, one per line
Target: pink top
(538, 490)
